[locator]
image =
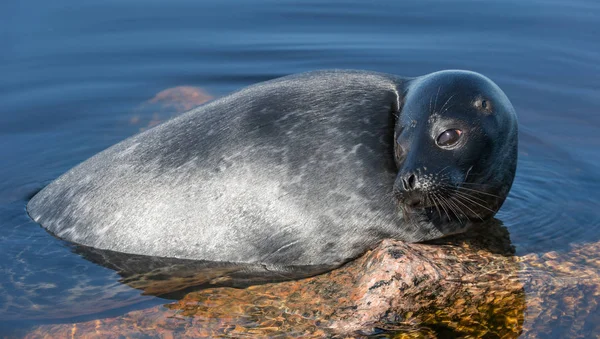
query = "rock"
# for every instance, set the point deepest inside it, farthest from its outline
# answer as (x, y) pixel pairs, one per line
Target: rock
(466, 285)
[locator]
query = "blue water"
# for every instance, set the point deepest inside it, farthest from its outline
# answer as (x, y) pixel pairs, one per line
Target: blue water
(73, 72)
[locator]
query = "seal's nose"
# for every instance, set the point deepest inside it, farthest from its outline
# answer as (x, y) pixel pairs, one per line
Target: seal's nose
(409, 182)
(407, 190)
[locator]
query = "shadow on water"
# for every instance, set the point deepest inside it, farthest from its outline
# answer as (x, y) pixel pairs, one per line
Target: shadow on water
(173, 278)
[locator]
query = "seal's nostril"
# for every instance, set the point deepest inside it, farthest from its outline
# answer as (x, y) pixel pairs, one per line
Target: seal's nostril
(411, 181)
(405, 184)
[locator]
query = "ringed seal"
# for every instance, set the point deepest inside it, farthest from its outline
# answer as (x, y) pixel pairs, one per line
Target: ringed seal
(308, 169)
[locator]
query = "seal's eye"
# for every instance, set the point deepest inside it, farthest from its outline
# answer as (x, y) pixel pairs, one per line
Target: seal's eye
(484, 104)
(448, 137)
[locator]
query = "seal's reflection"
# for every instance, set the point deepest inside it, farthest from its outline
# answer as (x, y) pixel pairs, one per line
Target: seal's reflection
(173, 278)
(463, 285)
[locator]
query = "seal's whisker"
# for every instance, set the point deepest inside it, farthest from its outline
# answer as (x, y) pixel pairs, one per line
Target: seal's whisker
(466, 195)
(477, 191)
(447, 108)
(467, 175)
(458, 211)
(474, 184)
(442, 206)
(434, 203)
(452, 209)
(459, 186)
(430, 100)
(442, 170)
(436, 98)
(456, 198)
(454, 190)
(447, 101)
(475, 202)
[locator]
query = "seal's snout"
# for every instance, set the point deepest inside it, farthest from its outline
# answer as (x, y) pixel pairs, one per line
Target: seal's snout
(413, 181)
(409, 190)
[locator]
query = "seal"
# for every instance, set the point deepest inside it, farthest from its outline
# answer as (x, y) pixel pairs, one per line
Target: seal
(305, 170)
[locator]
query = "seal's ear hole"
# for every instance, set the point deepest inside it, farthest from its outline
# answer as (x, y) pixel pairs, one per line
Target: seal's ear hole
(483, 105)
(448, 138)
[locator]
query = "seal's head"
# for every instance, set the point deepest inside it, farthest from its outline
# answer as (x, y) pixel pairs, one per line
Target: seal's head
(455, 149)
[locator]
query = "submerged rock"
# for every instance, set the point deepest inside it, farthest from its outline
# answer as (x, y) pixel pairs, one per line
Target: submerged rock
(167, 104)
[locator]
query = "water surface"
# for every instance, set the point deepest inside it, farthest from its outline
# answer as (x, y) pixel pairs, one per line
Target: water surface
(73, 74)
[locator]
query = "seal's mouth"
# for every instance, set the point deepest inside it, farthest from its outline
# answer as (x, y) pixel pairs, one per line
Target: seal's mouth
(418, 209)
(447, 204)
(432, 213)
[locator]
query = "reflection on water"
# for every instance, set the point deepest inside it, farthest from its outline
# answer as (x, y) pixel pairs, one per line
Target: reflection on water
(173, 278)
(74, 76)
